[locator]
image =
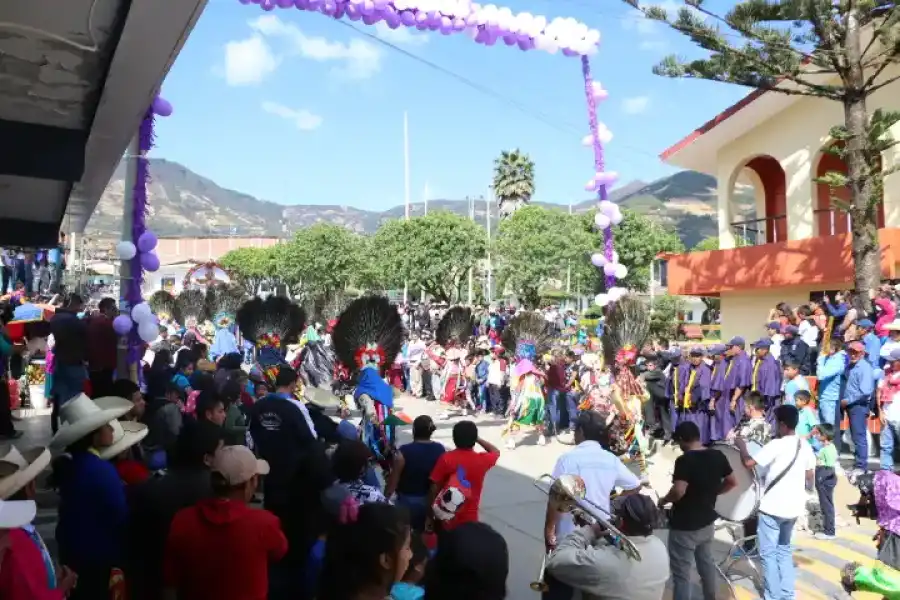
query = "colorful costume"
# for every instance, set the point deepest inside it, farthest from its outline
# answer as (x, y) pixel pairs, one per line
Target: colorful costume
(191, 305)
(165, 307)
(223, 302)
(367, 338)
(880, 579)
(530, 335)
(270, 324)
(453, 331)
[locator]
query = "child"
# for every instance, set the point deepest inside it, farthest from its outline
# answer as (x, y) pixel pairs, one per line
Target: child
(408, 588)
(809, 418)
(754, 427)
(826, 478)
(794, 382)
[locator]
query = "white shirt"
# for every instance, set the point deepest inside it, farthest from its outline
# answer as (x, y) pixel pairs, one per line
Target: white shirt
(787, 499)
(775, 350)
(809, 333)
(495, 372)
(415, 351)
(602, 472)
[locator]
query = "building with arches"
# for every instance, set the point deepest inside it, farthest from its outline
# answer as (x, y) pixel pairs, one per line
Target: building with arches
(781, 237)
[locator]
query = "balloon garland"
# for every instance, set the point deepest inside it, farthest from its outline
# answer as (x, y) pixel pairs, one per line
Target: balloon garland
(137, 321)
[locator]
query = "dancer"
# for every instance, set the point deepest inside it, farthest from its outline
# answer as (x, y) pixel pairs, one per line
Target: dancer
(270, 324)
(191, 305)
(223, 302)
(165, 307)
(453, 332)
(531, 336)
(367, 338)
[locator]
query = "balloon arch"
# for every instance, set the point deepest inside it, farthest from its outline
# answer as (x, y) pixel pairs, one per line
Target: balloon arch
(486, 25)
(206, 274)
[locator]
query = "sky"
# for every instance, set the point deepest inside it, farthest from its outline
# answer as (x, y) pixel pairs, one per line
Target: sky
(298, 108)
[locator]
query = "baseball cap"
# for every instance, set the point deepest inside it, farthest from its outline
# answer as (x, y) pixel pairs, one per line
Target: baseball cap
(865, 323)
(792, 329)
(736, 341)
(717, 349)
(698, 351)
(762, 343)
(238, 465)
(774, 325)
(856, 347)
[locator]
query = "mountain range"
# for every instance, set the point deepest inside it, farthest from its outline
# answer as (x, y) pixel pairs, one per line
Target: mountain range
(183, 203)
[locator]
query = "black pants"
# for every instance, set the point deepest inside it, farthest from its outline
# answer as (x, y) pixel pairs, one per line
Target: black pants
(826, 480)
(93, 584)
(661, 407)
(496, 404)
(54, 414)
(102, 383)
(427, 392)
(7, 279)
(557, 590)
(6, 422)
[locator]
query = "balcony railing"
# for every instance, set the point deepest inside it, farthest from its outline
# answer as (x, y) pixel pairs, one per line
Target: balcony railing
(768, 230)
(831, 221)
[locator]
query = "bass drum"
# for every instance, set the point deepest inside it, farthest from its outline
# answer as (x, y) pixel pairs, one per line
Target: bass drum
(740, 503)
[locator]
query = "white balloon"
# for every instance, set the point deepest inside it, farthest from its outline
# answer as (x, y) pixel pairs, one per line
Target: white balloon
(148, 331)
(551, 46)
(141, 313)
(602, 299)
(621, 271)
(601, 221)
(616, 217)
(593, 36)
(604, 134)
(125, 250)
(606, 207)
(616, 293)
(587, 140)
(615, 257)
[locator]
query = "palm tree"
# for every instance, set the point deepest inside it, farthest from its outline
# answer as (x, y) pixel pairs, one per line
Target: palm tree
(513, 181)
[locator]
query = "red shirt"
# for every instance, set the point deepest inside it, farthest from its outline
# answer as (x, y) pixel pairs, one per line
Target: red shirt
(102, 343)
(220, 549)
(475, 466)
(556, 377)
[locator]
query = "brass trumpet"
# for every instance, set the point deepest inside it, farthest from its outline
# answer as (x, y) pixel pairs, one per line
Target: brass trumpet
(540, 585)
(568, 494)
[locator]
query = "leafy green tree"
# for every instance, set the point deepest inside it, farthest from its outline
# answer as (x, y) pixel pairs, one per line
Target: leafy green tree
(535, 246)
(638, 240)
(513, 181)
(432, 253)
(252, 267)
(664, 318)
(837, 50)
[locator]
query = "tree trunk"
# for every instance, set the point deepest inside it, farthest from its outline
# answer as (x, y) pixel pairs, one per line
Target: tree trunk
(863, 206)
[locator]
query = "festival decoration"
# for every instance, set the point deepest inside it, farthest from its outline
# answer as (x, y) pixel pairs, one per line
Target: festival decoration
(206, 274)
(486, 24)
(123, 324)
(125, 250)
(270, 324)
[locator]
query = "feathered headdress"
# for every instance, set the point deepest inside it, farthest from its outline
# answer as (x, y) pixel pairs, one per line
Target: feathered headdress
(222, 303)
(164, 306)
(529, 334)
(627, 328)
(455, 327)
(270, 323)
(191, 306)
(368, 333)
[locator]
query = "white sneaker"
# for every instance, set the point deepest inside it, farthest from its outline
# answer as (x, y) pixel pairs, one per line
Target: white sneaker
(823, 536)
(510, 443)
(542, 441)
(443, 416)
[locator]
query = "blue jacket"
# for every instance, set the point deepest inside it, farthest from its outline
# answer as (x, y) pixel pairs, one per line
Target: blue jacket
(830, 370)
(860, 384)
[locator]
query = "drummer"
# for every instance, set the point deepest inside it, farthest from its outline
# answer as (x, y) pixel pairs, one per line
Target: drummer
(701, 475)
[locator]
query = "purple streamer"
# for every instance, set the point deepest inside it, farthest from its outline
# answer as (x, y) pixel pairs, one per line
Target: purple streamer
(133, 294)
(599, 164)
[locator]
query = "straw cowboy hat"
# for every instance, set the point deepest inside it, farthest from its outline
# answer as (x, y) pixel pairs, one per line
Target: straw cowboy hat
(29, 463)
(893, 325)
(82, 416)
(14, 514)
(125, 433)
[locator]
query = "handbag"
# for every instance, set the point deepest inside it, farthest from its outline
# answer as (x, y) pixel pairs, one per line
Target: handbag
(781, 475)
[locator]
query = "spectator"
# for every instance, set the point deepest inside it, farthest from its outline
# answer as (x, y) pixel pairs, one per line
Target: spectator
(856, 402)
(411, 472)
(795, 350)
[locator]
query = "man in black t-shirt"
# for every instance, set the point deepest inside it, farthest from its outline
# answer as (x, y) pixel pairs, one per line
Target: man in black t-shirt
(700, 476)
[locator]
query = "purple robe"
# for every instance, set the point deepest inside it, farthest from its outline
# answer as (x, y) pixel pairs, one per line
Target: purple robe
(766, 379)
(699, 396)
(675, 384)
(737, 375)
(717, 388)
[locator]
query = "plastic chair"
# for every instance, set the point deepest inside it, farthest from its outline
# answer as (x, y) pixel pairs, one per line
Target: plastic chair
(739, 553)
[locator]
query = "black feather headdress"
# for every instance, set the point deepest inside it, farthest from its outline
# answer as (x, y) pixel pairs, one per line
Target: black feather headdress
(369, 331)
(455, 327)
(272, 322)
(626, 330)
(164, 306)
(527, 334)
(191, 306)
(222, 303)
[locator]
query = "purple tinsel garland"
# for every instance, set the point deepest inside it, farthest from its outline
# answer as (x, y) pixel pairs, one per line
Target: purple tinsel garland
(133, 295)
(599, 165)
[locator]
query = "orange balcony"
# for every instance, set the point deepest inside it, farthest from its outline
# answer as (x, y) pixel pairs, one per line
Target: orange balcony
(824, 261)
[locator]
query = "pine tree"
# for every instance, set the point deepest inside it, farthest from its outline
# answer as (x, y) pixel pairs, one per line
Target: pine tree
(839, 50)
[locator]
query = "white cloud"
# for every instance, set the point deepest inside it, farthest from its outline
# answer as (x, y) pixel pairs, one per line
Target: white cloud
(652, 30)
(354, 60)
(402, 36)
(636, 105)
(301, 118)
(248, 62)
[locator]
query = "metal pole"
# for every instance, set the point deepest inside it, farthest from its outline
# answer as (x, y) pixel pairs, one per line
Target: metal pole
(569, 266)
(406, 185)
(652, 284)
(427, 193)
(471, 269)
(125, 265)
(489, 204)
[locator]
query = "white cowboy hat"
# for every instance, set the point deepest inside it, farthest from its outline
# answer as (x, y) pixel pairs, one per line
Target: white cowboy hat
(893, 325)
(125, 435)
(82, 416)
(14, 514)
(29, 465)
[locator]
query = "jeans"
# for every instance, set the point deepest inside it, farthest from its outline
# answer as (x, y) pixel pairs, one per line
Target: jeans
(68, 382)
(416, 506)
(551, 411)
(774, 536)
(685, 548)
(568, 411)
(889, 434)
(826, 480)
(858, 415)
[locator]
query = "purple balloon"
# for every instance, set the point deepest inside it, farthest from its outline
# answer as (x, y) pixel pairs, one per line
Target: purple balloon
(244, 1)
(459, 24)
(123, 324)
(510, 39)
(568, 52)
(340, 11)
(150, 262)
(407, 17)
(527, 44)
(267, 5)
(161, 107)
(353, 13)
(147, 241)
(285, 3)
(371, 19)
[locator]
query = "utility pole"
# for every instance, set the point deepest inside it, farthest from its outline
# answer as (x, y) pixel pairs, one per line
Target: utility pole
(471, 269)
(406, 185)
(131, 163)
(489, 205)
(569, 265)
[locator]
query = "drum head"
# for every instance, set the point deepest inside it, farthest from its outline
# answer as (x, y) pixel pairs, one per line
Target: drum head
(741, 502)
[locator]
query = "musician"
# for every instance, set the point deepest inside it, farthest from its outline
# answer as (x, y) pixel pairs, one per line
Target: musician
(693, 404)
(588, 562)
(766, 377)
(701, 475)
(719, 401)
(603, 472)
(738, 374)
(675, 383)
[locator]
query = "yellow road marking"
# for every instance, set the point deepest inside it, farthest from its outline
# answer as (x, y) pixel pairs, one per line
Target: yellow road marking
(863, 539)
(827, 573)
(834, 549)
